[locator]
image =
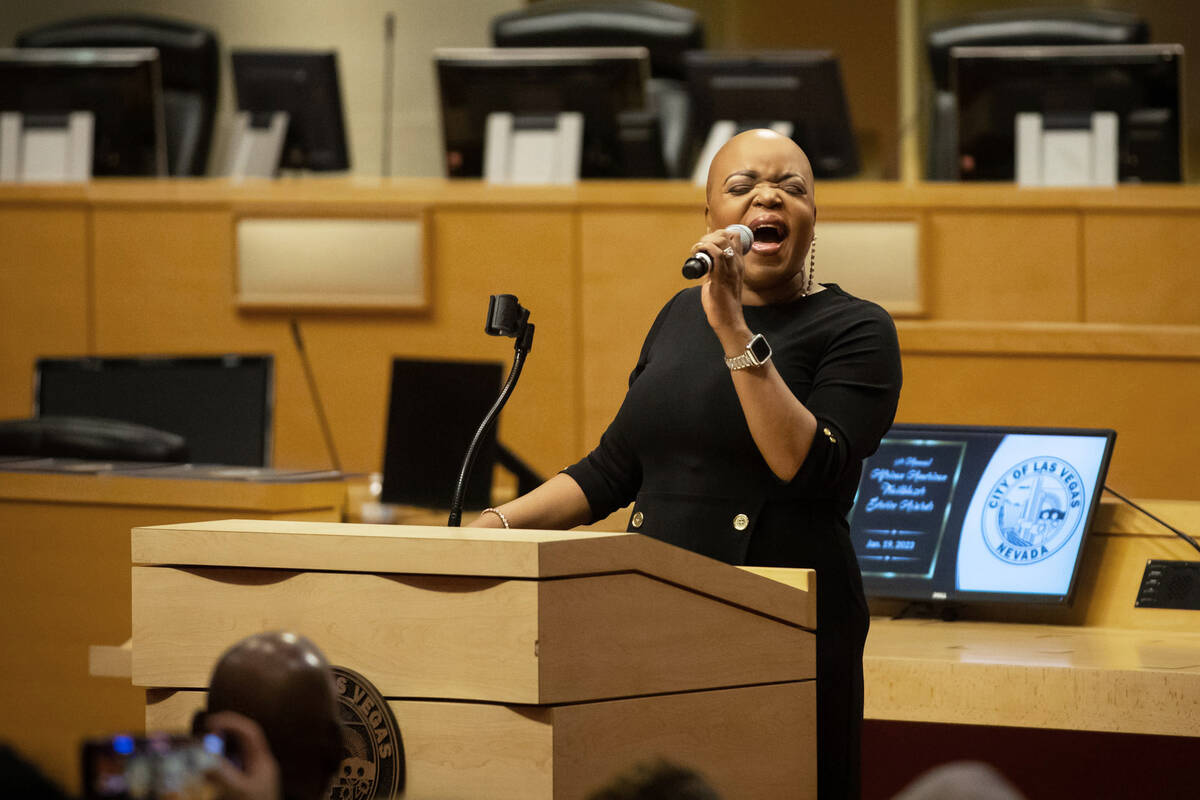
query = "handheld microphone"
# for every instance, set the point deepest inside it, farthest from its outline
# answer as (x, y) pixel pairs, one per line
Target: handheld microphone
(698, 265)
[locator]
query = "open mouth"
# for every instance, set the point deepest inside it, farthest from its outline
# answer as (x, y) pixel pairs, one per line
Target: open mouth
(768, 235)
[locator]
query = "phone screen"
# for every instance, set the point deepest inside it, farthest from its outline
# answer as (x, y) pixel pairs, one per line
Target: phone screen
(153, 767)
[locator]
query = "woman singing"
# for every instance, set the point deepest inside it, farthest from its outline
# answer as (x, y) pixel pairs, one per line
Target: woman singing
(752, 405)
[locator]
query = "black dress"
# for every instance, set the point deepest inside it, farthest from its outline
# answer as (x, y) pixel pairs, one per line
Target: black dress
(681, 448)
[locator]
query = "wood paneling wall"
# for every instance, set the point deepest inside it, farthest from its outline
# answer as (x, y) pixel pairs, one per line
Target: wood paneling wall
(1052, 307)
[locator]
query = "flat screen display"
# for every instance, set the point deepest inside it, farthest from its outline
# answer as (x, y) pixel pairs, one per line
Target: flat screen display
(221, 405)
(599, 82)
(961, 514)
(305, 84)
(435, 409)
(121, 87)
(1141, 84)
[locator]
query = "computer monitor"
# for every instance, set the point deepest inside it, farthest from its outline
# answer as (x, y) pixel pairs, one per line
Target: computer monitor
(600, 82)
(434, 411)
(802, 88)
(304, 84)
(221, 405)
(121, 87)
(1139, 83)
(951, 514)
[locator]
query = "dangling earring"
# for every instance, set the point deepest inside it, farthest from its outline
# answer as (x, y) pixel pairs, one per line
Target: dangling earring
(812, 265)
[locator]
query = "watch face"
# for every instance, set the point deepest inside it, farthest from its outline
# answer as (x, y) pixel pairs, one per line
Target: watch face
(759, 348)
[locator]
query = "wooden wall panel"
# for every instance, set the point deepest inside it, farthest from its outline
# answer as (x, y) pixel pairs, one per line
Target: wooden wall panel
(181, 263)
(987, 265)
(43, 295)
(594, 263)
(164, 279)
(1151, 403)
(629, 270)
(532, 254)
(1143, 268)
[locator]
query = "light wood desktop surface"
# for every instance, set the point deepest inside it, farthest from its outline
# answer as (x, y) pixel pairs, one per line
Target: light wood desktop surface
(1101, 665)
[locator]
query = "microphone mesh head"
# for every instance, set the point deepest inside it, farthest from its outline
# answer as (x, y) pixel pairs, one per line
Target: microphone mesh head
(746, 234)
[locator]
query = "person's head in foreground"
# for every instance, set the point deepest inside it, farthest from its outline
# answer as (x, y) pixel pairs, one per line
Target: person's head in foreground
(657, 780)
(272, 695)
(763, 180)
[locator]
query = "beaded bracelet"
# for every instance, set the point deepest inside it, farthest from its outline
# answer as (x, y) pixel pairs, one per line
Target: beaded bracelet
(499, 514)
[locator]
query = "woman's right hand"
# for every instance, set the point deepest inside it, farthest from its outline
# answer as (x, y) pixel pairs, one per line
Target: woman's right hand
(721, 293)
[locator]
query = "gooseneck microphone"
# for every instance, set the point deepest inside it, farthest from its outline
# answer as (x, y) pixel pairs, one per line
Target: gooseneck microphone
(698, 265)
(506, 317)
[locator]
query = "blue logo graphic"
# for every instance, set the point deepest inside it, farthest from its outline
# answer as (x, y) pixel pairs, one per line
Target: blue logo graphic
(1033, 510)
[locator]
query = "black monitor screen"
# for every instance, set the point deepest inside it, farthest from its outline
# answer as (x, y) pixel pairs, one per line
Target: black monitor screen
(961, 514)
(435, 409)
(755, 89)
(305, 85)
(221, 405)
(1140, 83)
(121, 87)
(598, 82)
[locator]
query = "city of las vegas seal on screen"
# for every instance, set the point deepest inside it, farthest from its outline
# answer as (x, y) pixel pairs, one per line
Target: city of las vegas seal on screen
(1034, 509)
(373, 764)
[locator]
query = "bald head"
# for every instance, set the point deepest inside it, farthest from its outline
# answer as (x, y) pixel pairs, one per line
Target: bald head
(754, 145)
(283, 682)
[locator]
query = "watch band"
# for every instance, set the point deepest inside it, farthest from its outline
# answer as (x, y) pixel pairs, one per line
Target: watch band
(758, 352)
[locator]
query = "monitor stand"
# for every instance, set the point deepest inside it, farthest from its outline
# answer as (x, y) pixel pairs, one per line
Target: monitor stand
(1066, 149)
(947, 612)
(256, 144)
(46, 147)
(721, 132)
(533, 148)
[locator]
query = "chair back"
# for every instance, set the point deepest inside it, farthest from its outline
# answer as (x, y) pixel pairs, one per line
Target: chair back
(665, 30)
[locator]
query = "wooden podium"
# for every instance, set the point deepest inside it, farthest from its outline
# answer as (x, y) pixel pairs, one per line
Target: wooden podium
(518, 664)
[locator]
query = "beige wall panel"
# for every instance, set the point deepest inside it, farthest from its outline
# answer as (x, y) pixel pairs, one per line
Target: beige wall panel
(1003, 266)
(1143, 268)
(1150, 403)
(630, 269)
(331, 264)
(43, 296)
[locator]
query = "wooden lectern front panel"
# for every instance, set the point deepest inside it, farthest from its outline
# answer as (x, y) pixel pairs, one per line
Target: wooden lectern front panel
(468, 638)
(412, 636)
(751, 743)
